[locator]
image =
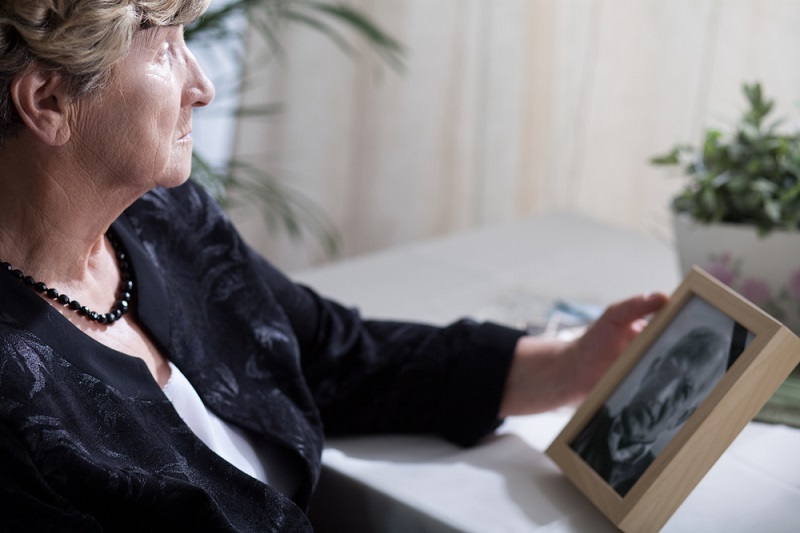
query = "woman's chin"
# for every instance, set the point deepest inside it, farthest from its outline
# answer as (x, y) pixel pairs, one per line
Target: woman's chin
(174, 178)
(180, 181)
(177, 174)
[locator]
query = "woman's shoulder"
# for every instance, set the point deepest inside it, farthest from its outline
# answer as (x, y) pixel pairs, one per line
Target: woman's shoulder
(13, 334)
(178, 218)
(25, 360)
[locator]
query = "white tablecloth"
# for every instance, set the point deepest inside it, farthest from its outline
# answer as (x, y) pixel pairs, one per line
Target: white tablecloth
(506, 484)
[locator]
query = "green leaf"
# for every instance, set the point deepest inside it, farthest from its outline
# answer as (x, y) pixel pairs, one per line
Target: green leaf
(764, 187)
(273, 108)
(389, 47)
(721, 180)
(773, 210)
(708, 200)
(670, 158)
(283, 207)
(750, 175)
(322, 27)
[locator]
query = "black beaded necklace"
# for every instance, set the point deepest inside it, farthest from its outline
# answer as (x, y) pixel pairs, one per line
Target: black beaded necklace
(124, 294)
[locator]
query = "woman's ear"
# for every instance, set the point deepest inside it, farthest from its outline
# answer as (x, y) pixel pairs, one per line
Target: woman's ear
(42, 101)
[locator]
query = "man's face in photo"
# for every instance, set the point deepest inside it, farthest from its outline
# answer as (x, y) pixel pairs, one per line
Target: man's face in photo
(671, 390)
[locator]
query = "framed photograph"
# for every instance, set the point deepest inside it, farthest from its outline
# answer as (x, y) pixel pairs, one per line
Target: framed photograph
(673, 402)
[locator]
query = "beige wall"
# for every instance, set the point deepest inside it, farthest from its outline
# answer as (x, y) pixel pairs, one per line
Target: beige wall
(508, 108)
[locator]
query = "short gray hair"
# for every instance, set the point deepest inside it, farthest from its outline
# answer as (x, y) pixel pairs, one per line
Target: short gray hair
(80, 39)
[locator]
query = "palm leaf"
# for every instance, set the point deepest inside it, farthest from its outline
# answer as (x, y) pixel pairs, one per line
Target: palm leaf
(283, 206)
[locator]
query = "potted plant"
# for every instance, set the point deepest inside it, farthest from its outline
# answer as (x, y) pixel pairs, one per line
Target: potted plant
(739, 214)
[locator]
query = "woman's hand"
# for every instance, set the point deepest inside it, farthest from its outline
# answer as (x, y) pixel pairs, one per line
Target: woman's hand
(547, 373)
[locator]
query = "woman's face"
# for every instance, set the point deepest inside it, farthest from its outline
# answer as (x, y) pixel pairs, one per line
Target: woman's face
(136, 131)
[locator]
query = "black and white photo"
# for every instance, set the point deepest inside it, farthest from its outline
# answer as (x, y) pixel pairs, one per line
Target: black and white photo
(662, 391)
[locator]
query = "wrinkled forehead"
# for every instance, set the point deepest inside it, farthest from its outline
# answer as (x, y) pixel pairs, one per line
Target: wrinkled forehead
(699, 347)
(700, 367)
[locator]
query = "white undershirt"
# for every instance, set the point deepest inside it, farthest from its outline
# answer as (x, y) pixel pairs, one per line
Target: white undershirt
(259, 459)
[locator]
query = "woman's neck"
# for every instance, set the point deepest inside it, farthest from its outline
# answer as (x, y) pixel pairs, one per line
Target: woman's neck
(53, 221)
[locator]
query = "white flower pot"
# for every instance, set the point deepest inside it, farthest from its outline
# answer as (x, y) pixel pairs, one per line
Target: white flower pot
(765, 270)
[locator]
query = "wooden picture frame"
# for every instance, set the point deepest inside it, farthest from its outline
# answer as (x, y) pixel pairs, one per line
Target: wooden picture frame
(673, 402)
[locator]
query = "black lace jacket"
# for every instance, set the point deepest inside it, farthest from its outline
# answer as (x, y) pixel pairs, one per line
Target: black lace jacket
(89, 442)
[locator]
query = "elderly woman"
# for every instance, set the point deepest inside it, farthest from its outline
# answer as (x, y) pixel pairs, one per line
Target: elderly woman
(154, 372)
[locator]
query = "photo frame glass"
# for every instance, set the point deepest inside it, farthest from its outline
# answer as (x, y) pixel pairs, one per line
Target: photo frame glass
(651, 404)
(673, 402)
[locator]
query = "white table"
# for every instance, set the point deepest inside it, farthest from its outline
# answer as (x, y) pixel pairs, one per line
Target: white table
(507, 484)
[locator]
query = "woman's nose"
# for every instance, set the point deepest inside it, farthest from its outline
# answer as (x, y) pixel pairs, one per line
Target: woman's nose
(199, 90)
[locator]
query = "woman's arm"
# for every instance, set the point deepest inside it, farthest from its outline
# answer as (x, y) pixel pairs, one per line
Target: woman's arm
(546, 374)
